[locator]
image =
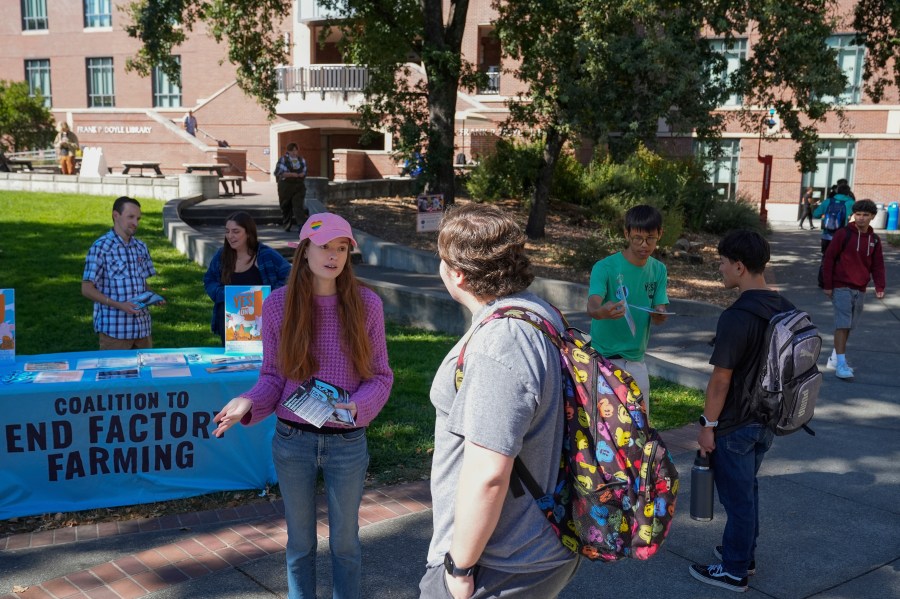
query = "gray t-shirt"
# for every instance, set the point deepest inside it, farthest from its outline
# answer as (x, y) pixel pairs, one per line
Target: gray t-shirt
(510, 402)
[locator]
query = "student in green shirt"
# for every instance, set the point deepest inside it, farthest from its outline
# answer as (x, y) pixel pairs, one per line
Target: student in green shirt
(623, 288)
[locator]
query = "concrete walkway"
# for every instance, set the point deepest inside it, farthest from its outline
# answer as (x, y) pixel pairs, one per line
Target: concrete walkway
(830, 512)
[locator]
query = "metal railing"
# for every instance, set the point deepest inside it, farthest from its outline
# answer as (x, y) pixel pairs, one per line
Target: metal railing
(493, 86)
(342, 79)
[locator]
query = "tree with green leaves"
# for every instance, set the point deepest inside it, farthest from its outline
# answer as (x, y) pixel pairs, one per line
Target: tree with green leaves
(605, 71)
(412, 49)
(25, 123)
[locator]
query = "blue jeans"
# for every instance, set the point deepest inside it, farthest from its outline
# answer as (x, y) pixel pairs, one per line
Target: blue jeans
(736, 460)
(343, 458)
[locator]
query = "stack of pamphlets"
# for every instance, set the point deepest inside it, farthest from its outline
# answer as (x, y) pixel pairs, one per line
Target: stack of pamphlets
(314, 401)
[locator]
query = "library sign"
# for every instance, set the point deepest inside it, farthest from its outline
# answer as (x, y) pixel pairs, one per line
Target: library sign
(114, 129)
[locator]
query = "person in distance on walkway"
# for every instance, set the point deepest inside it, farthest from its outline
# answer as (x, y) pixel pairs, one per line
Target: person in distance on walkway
(242, 260)
(290, 173)
(853, 258)
(322, 325)
(487, 543)
(733, 436)
(623, 286)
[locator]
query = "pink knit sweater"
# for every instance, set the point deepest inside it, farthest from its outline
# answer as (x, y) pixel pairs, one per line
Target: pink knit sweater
(335, 366)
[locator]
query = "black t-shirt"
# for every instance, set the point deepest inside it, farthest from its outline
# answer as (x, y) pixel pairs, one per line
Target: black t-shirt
(740, 335)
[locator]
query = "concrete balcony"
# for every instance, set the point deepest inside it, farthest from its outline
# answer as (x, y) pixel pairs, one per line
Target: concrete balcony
(318, 88)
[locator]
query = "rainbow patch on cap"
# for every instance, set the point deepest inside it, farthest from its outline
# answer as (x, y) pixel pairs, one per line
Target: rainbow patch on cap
(316, 225)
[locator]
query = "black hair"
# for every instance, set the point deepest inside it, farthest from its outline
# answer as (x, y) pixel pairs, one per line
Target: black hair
(292, 146)
(120, 202)
(844, 189)
(747, 247)
(643, 218)
(865, 206)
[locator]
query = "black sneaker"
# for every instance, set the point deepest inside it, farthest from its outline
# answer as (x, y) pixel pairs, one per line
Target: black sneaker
(751, 568)
(718, 577)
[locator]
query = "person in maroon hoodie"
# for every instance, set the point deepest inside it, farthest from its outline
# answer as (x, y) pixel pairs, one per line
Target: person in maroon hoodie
(853, 257)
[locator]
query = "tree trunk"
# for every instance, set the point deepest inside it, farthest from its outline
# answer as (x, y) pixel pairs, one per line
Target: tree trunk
(442, 61)
(537, 218)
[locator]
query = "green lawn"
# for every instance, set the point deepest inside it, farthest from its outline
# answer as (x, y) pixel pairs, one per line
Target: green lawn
(43, 241)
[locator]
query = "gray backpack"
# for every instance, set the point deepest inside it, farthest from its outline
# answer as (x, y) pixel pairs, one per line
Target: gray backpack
(787, 385)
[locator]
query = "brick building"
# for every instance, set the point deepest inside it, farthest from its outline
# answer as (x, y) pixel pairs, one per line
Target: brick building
(75, 53)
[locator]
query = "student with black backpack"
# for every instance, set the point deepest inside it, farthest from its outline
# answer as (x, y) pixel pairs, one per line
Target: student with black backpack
(731, 431)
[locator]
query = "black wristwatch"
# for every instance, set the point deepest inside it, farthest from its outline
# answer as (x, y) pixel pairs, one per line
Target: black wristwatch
(706, 423)
(452, 570)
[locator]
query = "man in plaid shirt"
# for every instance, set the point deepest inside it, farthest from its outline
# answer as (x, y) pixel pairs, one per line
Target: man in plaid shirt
(116, 270)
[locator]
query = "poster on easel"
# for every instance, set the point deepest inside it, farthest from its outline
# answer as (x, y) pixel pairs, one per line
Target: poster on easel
(243, 318)
(7, 326)
(429, 211)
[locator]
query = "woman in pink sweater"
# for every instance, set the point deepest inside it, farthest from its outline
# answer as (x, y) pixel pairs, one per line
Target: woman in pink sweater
(322, 325)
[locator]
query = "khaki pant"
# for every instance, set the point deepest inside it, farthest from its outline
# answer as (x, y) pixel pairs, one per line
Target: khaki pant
(67, 164)
(107, 342)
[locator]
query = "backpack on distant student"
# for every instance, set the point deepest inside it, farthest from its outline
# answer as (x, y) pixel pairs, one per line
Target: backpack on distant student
(783, 395)
(616, 487)
(835, 216)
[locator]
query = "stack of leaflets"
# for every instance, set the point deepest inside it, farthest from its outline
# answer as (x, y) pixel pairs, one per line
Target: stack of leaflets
(161, 359)
(314, 401)
(147, 298)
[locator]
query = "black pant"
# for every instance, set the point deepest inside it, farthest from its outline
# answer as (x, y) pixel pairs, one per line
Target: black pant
(806, 212)
(291, 199)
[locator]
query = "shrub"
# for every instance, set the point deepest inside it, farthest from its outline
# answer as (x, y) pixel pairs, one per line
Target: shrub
(726, 215)
(509, 172)
(599, 245)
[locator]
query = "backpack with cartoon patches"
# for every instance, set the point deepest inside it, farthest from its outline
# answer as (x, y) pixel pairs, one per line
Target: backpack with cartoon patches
(616, 487)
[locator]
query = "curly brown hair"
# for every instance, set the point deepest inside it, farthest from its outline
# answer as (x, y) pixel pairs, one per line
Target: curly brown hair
(488, 247)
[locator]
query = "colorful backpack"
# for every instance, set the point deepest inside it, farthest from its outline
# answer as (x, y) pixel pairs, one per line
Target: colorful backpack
(616, 488)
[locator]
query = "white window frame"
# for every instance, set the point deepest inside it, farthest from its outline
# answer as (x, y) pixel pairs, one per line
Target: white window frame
(101, 85)
(734, 52)
(37, 74)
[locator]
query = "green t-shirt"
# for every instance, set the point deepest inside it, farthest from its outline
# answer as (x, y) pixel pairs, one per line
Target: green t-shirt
(645, 287)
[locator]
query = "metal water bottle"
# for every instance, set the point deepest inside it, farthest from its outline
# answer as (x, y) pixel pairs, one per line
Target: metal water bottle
(702, 486)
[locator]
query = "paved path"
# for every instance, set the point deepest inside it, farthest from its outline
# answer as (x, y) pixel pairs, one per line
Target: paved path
(830, 503)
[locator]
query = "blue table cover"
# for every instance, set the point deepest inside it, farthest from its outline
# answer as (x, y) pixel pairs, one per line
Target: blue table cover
(91, 444)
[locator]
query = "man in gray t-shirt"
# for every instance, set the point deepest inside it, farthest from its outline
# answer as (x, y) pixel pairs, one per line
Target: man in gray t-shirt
(509, 403)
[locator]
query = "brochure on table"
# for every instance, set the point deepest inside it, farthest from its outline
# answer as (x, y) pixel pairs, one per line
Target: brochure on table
(7, 326)
(243, 318)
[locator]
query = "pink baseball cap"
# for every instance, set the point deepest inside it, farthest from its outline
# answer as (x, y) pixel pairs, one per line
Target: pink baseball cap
(324, 227)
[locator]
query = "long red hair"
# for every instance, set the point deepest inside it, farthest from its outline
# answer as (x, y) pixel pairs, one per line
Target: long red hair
(295, 358)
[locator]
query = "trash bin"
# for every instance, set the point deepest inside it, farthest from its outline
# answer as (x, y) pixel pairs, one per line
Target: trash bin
(892, 213)
(880, 220)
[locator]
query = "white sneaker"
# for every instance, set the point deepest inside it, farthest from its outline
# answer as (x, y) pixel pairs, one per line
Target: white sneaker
(843, 371)
(831, 364)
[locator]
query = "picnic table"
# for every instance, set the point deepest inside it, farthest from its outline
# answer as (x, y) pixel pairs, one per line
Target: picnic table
(19, 164)
(209, 167)
(140, 165)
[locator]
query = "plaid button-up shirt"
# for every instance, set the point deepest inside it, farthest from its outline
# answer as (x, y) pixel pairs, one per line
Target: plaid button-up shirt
(120, 272)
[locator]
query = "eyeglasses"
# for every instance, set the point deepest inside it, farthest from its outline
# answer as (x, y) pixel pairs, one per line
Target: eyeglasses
(648, 241)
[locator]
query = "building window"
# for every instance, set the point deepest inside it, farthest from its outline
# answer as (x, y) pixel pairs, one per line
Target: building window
(100, 86)
(835, 160)
(34, 15)
(165, 92)
(97, 13)
(734, 52)
(37, 74)
(721, 172)
(850, 59)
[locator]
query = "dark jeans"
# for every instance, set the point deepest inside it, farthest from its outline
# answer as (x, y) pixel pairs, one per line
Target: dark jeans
(291, 199)
(736, 460)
